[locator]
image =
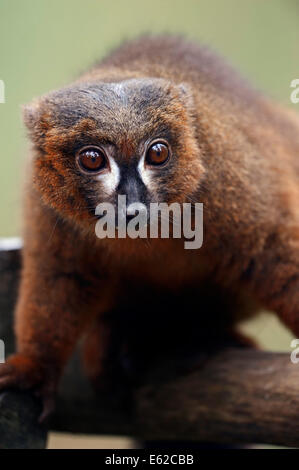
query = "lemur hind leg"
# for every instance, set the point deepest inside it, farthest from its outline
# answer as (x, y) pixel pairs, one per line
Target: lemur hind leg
(275, 276)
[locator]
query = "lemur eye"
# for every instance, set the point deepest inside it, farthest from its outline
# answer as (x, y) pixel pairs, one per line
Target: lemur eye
(157, 154)
(92, 159)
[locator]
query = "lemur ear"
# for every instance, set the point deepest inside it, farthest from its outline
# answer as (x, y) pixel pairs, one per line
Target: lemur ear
(35, 120)
(31, 114)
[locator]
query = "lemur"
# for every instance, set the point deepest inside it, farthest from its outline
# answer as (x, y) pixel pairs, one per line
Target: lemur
(160, 119)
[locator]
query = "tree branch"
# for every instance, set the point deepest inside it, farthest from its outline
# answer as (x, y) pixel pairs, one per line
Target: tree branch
(236, 396)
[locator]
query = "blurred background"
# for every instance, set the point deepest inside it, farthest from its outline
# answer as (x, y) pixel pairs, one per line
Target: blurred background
(44, 44)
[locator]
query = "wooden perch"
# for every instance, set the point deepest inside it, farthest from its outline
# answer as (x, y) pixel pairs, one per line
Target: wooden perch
(19, 428)
(234, 396)
(237, 396)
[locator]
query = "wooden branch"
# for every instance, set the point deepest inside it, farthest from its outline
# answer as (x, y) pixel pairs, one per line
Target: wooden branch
(10, 263)
(235, 395)
(19, 428)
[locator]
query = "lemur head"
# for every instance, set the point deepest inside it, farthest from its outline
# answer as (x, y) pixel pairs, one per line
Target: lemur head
(95, 141)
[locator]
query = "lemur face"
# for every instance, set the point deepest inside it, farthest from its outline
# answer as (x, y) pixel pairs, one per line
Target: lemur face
(100, 140)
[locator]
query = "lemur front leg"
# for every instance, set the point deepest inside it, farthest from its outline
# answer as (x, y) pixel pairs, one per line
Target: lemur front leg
(59, 296)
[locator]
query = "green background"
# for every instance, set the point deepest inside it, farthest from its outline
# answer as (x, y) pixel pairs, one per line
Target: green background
(44, 44)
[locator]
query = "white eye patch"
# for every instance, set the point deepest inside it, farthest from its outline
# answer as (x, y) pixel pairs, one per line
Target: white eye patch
(110, 180)
(144, 173)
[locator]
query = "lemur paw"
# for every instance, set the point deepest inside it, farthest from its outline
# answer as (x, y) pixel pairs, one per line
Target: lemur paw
(23, 373)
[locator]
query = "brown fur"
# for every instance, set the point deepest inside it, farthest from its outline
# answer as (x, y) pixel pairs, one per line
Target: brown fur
(234, 150)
